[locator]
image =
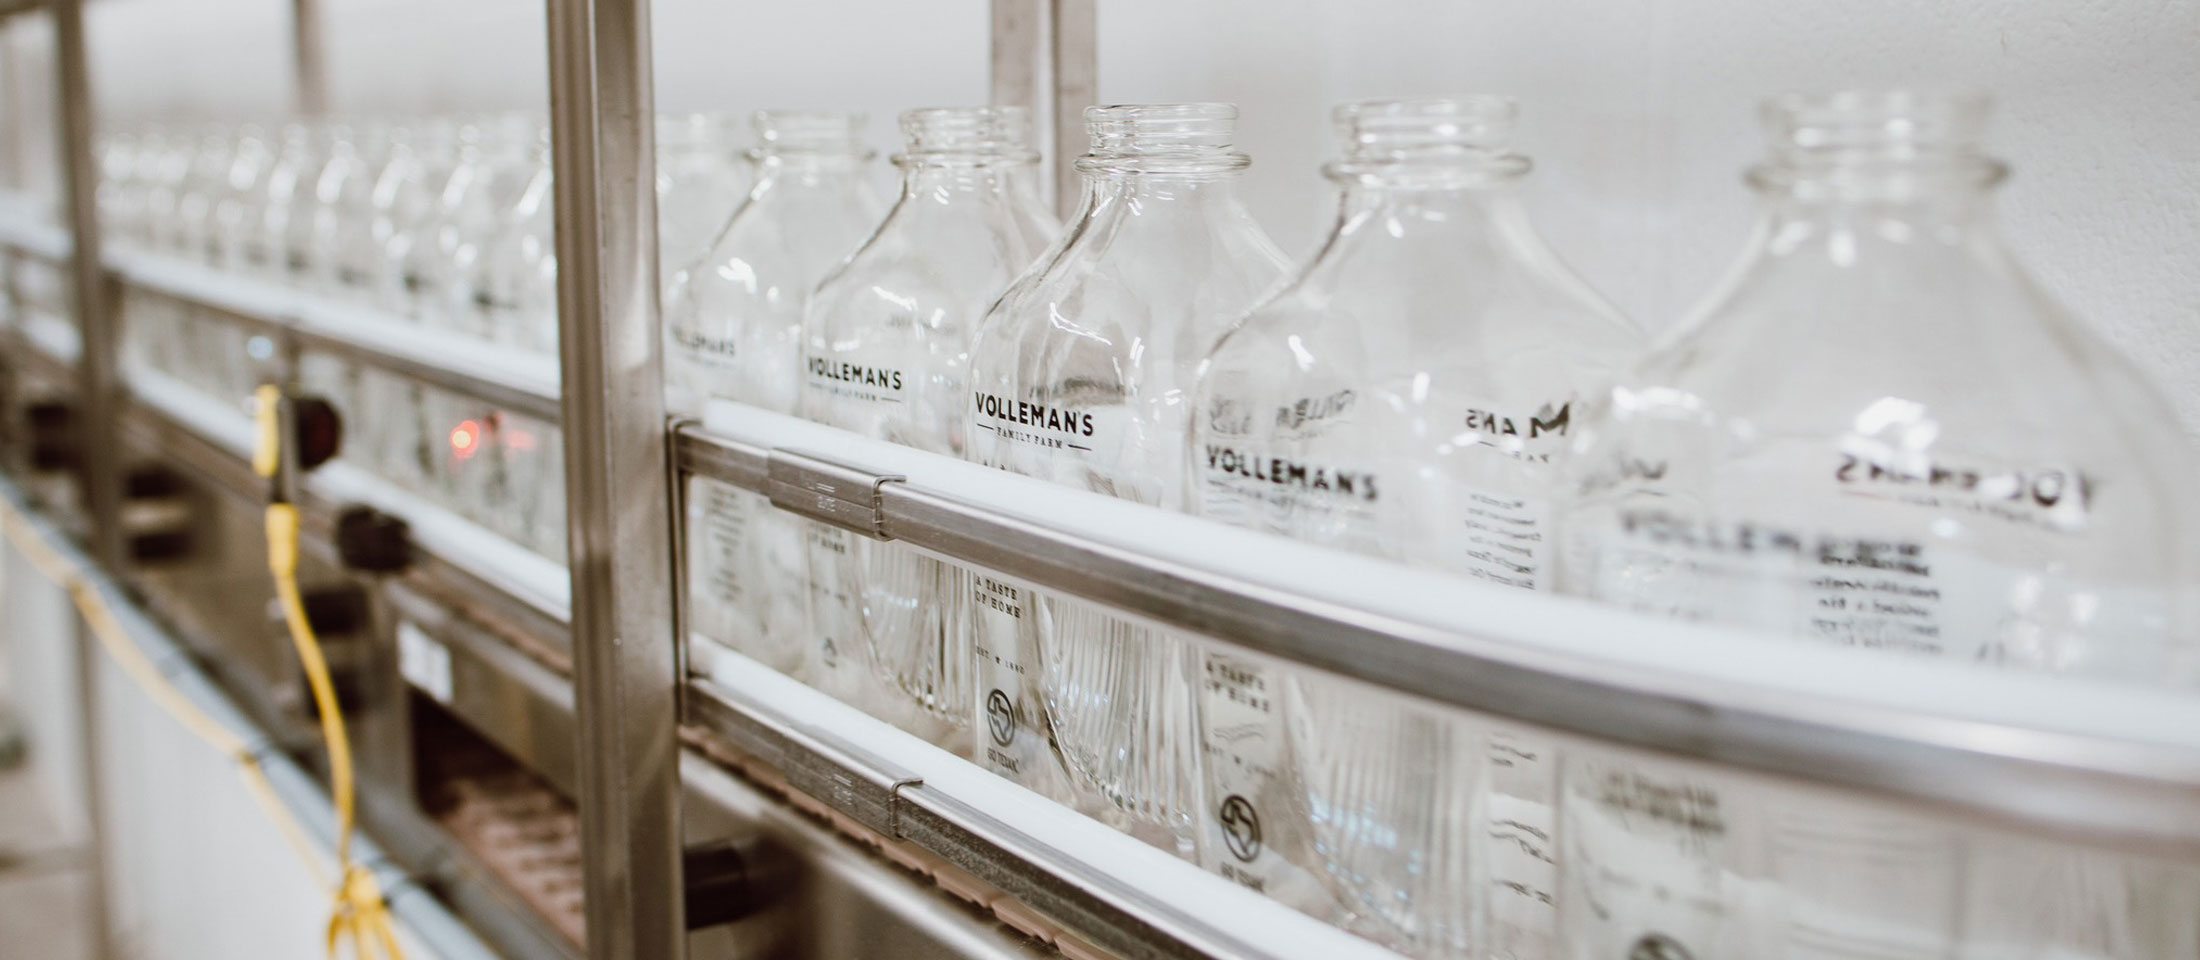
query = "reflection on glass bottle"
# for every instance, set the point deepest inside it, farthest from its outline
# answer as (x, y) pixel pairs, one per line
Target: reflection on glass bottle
(1082, 375)
(1405, 396)
(734, 318)
(887, 354)
(1880, 434)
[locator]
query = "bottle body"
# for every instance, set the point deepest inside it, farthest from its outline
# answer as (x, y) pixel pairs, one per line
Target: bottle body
(735, 320)
(1879, 434)
(1408, 396)
(886, 354)
(1082, 375)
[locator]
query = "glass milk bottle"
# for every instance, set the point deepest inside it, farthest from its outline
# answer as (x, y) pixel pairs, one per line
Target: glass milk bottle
(1082, 375)
(886, 353)
(701, 178)
(1878, 433)
(1405, 396)
(734, 318)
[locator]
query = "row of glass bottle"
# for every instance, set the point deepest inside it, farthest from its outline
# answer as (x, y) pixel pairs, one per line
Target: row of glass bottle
(1876, 433)
(445, 222)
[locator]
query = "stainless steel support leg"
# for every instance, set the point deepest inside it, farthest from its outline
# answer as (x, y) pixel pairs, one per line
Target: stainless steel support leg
(99, 395)
(625, 652)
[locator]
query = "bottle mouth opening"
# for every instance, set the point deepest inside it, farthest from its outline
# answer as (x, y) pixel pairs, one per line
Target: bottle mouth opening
(810, 131)
(1481, 124)
(1163, 135)
(1876, 126)
(702, 129)
(982, 133)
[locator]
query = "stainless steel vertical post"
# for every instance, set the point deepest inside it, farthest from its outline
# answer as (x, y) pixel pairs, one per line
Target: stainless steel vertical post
(98, 398)
(308, 58)
(625, 652)
(1018, 54)
(1043, 58)
(1074, 54)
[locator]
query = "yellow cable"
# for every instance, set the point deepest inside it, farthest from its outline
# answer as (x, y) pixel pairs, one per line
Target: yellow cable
(361, 913)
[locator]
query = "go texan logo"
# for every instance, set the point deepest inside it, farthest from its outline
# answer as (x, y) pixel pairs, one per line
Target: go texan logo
(1000, 718)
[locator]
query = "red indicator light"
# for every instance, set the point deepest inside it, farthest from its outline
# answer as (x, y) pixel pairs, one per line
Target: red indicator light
(465, 439)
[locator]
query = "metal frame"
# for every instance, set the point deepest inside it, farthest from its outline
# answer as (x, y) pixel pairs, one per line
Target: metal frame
(626, 648)
(98, 395)
(1044, 57)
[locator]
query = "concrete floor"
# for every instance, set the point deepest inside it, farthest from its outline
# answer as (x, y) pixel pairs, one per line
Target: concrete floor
(43, 881)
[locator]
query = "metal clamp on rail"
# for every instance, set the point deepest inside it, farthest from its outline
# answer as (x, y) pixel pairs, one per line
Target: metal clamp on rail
(835, 493)
(848, 780)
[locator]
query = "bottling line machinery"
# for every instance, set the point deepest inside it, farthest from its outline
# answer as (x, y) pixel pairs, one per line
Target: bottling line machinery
(543, 771)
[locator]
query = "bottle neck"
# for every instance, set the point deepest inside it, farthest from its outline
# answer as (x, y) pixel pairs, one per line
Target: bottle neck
(1420, 204)
(965, 180)
(1904, 205)
(805, 170)
(1175, 196)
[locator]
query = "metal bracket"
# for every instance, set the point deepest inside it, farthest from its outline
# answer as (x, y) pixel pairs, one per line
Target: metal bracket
(894, 800)
(833, 493)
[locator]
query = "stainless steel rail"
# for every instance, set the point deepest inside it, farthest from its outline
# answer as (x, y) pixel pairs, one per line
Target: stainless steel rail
(1519, 658)
(1034, 863)
(461, 365)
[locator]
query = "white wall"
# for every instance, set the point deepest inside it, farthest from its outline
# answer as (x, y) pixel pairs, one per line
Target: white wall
(1639, 112)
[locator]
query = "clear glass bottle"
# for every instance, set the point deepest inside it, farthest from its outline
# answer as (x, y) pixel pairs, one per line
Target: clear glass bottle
(120, 192)
(1082, 374)
(515, 276)
(165, 167)
(735, 320)
(513, 149)
(1879, 433)
(701, 178)
(408, 198)
(432, 269)
(886, 354)
(284, 192)
(1405, 396)
(515, 288)
(331, 148)
(195, 234)
(353, 252)
(342, 208)
(400, 445)
(241, 199)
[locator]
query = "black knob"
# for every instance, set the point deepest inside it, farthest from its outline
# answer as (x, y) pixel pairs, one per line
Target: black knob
(727, 881)
(371, 541)
(317, 431)
(51, 424)
(336, 610)
(157, 518)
